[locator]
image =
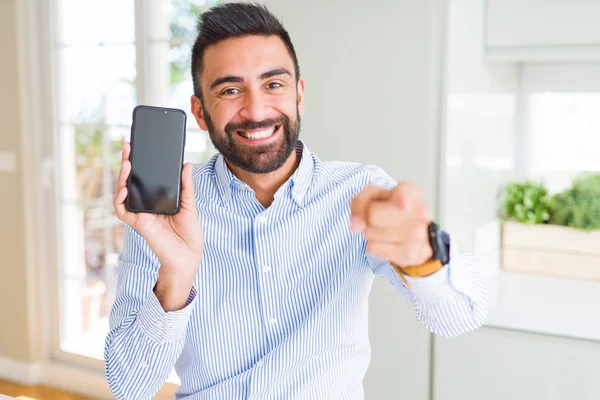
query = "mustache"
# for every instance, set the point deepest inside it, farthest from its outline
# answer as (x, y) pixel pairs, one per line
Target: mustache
(251, 125)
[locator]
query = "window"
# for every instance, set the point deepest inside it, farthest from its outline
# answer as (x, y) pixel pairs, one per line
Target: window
(130, 52)
(567, 128)
(561, 122)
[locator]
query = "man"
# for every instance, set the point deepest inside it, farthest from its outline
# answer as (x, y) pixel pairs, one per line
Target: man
(258, 288)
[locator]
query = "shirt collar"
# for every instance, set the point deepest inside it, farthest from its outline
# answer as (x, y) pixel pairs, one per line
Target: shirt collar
(300, 179)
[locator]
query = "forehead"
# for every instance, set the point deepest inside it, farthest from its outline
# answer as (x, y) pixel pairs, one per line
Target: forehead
(245, 56)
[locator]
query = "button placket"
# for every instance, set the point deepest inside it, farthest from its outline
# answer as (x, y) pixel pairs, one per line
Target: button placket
(266, 279)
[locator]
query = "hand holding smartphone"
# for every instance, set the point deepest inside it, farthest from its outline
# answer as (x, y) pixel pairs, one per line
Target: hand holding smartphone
(155, 196)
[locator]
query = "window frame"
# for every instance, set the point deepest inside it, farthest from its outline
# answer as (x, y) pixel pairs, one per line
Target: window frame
(42, 196)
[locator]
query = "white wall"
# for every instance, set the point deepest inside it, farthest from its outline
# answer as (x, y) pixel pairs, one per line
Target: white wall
(479, 125)
(493, 364)
(372, 93)
(14, 306)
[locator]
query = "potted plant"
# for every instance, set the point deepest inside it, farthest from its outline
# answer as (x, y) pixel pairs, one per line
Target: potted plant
(555, 235)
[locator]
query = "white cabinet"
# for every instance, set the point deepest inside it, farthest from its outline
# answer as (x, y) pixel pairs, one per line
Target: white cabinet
(495, 364)
(542, 30)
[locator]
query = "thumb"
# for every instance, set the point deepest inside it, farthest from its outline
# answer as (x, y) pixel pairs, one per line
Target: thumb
(188, 195)
(360, 204)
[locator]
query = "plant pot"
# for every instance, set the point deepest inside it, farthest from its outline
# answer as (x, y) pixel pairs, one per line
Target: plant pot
(551, 250)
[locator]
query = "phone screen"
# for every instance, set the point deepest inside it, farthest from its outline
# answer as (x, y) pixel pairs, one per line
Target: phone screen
(157, 143)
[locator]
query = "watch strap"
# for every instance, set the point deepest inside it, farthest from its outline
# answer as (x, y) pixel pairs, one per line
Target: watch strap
(426, 269)
(417, 271)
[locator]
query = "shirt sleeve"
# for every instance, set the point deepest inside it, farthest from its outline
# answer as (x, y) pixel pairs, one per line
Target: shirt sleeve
(451, 301)
(144, 341)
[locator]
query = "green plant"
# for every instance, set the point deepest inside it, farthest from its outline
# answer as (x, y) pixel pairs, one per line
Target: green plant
(527, 202)
(579, 205)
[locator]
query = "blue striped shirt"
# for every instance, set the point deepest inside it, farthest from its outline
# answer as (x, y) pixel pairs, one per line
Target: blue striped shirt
(279, 308)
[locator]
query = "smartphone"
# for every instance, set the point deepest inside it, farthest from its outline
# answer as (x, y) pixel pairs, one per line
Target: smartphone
(157, 147)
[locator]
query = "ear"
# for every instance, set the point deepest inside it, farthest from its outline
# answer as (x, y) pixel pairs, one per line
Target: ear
(301, 97)
(198, 112)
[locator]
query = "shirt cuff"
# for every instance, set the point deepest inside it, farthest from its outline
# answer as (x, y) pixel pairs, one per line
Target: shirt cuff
(164, 326)
(443, 284)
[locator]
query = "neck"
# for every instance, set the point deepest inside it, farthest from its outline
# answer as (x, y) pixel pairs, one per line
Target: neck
(265, 185)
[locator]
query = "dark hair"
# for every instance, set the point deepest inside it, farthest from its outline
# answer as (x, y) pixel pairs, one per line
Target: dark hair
(233, 20)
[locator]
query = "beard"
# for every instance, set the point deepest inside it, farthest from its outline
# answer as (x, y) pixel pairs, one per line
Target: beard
(256, 159)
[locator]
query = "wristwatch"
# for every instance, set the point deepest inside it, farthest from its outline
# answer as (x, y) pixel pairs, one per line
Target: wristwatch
(439, 247)
(439, 258)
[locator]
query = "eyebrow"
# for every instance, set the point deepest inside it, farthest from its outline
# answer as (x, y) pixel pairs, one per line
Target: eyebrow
(274, 72)
(237, 79)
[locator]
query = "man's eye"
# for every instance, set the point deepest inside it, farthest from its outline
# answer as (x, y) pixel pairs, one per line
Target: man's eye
(229, 92)
(274, 85)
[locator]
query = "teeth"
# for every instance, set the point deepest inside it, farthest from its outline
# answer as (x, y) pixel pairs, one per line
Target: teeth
(265, 133)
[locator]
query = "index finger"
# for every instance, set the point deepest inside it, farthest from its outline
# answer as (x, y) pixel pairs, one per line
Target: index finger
(406, 195)
(126, 151)
(360, 204)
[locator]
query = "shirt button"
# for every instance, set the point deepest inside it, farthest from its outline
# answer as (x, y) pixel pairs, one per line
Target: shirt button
(262, 219)
(272, 321)
(143, 364)
(261, 363)
(159, 324)
(266, 268)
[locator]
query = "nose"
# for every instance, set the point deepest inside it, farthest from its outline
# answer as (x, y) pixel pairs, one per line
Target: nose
(254, 107)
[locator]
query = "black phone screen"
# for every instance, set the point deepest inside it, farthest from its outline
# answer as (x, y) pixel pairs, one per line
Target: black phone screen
(157, 145)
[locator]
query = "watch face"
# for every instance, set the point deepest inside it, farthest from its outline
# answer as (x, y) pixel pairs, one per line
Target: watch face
(444, 258)
(440, 250)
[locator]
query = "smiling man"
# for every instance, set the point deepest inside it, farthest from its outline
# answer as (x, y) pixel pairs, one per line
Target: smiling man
(258, 288)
